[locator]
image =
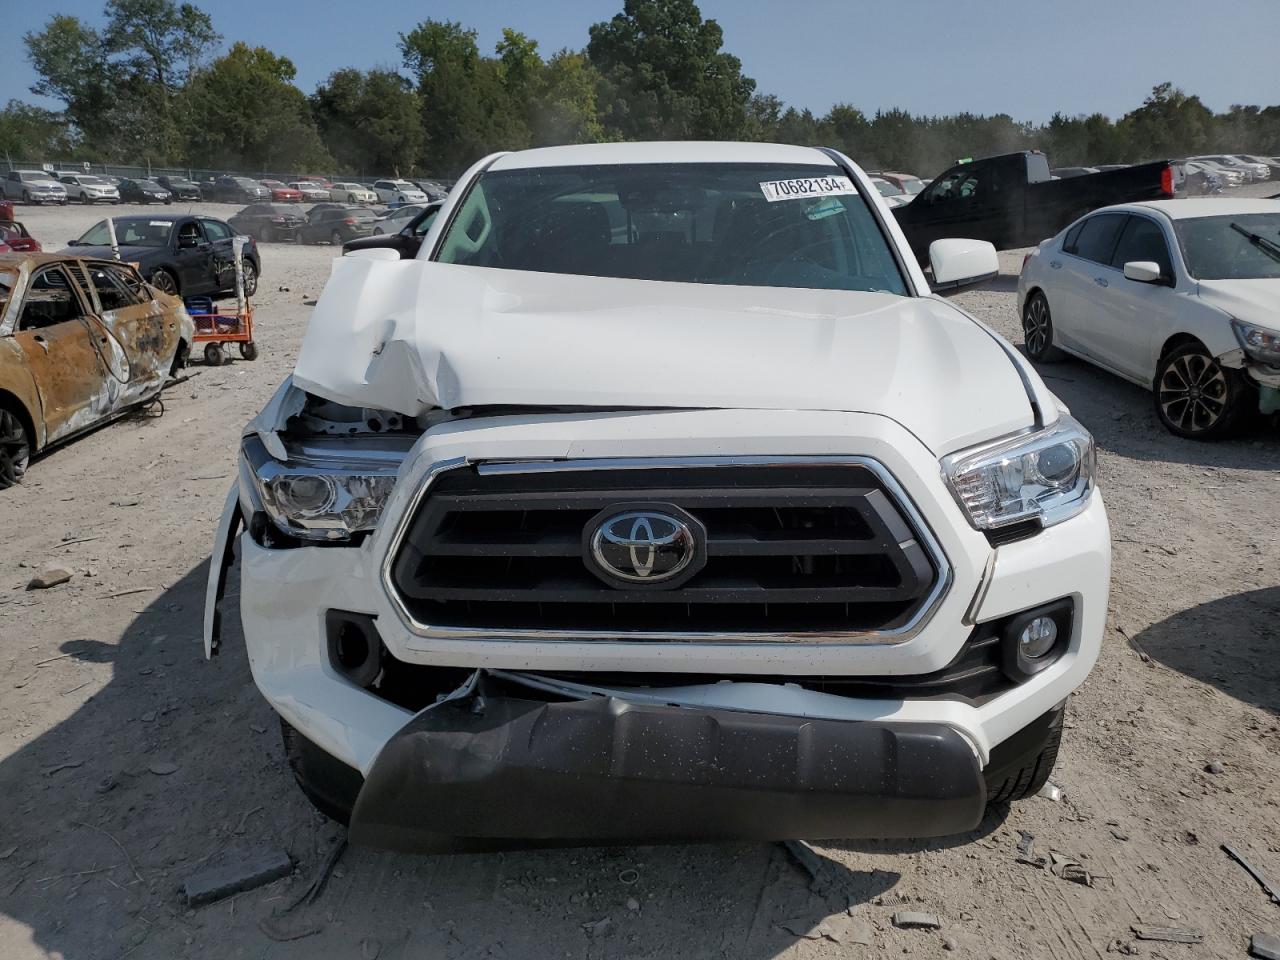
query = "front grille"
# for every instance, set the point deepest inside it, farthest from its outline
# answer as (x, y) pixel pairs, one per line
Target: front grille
(804, 548)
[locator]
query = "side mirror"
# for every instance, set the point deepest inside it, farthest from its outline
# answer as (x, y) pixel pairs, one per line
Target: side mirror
(1143, 271)
(959, 263)
(405, 247)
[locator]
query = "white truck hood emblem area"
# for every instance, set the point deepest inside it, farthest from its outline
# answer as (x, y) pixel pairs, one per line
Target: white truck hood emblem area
(411, 335)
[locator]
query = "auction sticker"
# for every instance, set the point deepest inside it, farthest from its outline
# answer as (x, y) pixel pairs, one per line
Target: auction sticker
(775, 190)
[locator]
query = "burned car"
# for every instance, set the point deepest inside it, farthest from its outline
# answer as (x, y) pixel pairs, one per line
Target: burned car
(655, 497)
(81, 342)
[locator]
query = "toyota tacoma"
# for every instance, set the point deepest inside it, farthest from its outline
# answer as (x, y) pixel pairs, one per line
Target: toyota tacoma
(656, 497)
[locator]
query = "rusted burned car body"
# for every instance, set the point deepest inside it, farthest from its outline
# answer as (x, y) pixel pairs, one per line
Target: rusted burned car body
(81, 341)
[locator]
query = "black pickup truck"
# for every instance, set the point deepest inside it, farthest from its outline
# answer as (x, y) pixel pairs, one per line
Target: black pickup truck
(1011, 200)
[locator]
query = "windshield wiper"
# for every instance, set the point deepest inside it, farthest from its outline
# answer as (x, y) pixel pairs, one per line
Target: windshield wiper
(1268, 246)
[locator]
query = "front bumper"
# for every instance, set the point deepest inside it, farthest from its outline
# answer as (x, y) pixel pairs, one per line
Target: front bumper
(285, 594)
(496, 767)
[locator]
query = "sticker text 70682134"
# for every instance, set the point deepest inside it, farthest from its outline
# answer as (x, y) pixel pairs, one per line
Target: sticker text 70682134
(806, 187)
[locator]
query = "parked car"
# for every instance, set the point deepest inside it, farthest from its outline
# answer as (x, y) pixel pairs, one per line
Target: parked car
(326, 205)
(181, 188)
(268, 222)
(88, 188)
(1010, 200)
(337, 225)
(892, 193)
(1181, 297)
(1200, 179)
(1229, 176)
(434, 189)
(33, 186)
(184, 255)
(237, 190)
(393, 221)
(352, 193)
(406, 240)
(1271, 163)
(281, 193)
(396, 193)
(1066, 173)
(82, 341)
(144, 191)
(539, 611)
(16, 239)
(311, 190)
(1251, 172)
(906, 182)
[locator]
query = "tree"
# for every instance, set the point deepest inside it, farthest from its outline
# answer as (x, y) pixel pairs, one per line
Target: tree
(565, 110)
(665, 75)
(32, 133)
(369, 121)
(158, 39)
(71, 66)
(247, 114)
(1168, 124)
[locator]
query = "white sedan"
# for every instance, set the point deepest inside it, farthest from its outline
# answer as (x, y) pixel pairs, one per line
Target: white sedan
(352, 193)
(1180, 296)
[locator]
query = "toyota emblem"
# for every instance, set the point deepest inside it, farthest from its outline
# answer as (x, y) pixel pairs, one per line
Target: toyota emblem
(642, 546)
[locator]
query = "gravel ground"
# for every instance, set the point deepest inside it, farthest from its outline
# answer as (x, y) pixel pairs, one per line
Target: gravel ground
(127, 761)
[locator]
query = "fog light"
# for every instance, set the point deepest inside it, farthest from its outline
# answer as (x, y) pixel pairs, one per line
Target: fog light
(1038, 637)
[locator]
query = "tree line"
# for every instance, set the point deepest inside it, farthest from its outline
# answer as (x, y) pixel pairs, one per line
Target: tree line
(156, 85)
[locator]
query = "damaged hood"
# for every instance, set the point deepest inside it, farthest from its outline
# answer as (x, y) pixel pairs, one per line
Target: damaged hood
(411, 335)
(1252, 301)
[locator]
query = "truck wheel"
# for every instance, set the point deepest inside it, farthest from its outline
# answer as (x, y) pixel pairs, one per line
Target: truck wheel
(329, 784)
(1196, 397)
(1021, 765)
(1037, 330)
(214, 355)
(15, 449)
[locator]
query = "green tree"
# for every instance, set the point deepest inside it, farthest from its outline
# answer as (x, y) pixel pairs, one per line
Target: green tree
(370, 121)
(247, 114)
(71, 65)
(666, 76)
(565, 110)
(1168, 124)
(32, 133)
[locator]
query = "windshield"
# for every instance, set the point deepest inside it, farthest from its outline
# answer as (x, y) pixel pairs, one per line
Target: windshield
(1216, 249)
(747, 224)
(131, 231)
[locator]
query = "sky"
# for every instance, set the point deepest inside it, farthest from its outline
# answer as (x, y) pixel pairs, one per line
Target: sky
(1026, 58)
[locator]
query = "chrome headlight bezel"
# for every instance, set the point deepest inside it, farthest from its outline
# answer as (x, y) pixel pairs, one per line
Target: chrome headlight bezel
(349, 481)
(1045, 475)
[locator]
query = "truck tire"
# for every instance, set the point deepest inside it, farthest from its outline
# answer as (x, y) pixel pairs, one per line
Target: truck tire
(1196, 397)
(329, 784)
(1021, 765)
(1037, 330)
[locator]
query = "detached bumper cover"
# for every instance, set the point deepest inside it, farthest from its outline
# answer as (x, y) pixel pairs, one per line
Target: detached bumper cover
(492, 767)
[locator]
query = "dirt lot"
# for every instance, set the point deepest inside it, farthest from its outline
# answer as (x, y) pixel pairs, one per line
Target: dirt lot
(127, 761)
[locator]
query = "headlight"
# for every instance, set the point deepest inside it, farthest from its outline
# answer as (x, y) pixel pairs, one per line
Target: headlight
(1259, 343)
(1047, 476)
(331, 490)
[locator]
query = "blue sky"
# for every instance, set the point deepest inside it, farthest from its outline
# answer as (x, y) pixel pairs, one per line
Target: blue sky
(1026, 58)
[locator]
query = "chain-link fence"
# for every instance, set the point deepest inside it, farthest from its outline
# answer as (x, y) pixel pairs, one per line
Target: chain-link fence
(134, 172)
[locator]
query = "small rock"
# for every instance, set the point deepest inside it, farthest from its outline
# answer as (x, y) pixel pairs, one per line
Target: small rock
(1119, 834)
(948, 944)
(106, 785)
(914, 919)
(1265, 945)
(283, 289)
(633, 903)
(131, 502)
(162, 768)
(370, 947)
(49, 577)
(252, 870)
(1214, 767)
(597, 928)
(1050, 791)
(148, 716)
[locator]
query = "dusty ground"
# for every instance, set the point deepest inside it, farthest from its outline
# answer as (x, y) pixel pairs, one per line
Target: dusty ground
(103, 689)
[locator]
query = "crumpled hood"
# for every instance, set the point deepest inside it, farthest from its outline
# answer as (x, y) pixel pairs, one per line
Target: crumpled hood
(411, 335)
(1252, 301)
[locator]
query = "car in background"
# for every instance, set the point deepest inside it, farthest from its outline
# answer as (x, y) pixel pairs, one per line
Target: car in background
(89, 188)
(337, 225)
(906, 182)
(393, 221)
(1271, 163)
(1251, 171)
(434, 189)
(1199, 179)
(181, 188)
(1181, 297)
(352, 193)
(282, 193)
(237, 190)
(179, 254)
(268, 222)
(310, 189)
(82, 341)
(33, 186)
(15, 238)
(144, 191)
(396, 193)
(326, 205)
(407, 240)
(894, 195)
(1066, 173)
(1230, 176)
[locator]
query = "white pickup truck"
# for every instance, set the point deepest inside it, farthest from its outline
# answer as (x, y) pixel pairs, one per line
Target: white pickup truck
(655, 497)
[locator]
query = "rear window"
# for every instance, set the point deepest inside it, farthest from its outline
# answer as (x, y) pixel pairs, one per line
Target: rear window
(361, 214)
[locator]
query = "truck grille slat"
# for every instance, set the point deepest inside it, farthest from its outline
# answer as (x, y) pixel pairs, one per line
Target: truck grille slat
(795, 549)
